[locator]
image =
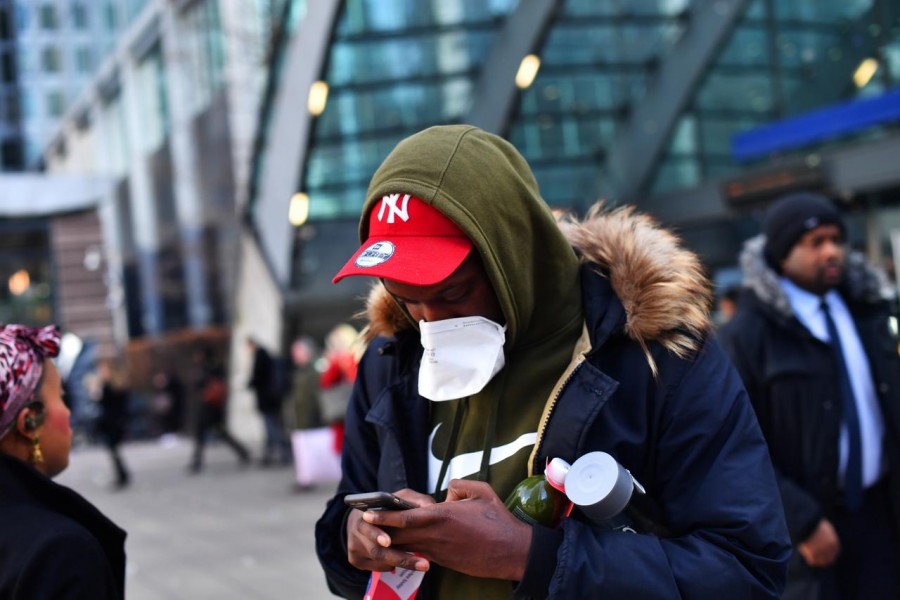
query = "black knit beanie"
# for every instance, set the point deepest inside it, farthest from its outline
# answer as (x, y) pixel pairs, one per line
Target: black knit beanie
(791, 216)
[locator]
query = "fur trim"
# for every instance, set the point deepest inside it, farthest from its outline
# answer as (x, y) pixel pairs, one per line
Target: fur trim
(663, 287)
(385, 316)
(862, 283)
(761, 278)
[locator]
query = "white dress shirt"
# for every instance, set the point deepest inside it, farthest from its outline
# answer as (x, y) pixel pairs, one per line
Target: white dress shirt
(807, 307)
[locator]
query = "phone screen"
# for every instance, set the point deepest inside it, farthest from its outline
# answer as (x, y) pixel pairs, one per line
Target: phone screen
(376, 501)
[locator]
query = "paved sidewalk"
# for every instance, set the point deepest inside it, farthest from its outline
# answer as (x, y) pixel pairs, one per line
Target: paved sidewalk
(227, 533)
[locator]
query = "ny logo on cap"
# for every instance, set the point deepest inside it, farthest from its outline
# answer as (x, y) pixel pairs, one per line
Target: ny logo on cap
(390, 201)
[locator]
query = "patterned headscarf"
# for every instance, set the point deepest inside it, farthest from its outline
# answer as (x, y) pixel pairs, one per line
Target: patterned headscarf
(22, 353)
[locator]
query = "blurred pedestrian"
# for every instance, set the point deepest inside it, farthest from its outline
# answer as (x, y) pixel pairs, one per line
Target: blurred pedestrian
(813, 346)
(302, 411)
(726, 305)
(112, 420)
(168, 401)
(53, 542)
(336, 381)
(263, 381)
(302, 407)
(212, 386)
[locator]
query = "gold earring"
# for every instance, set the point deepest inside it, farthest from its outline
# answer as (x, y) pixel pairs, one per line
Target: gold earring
(37, 457)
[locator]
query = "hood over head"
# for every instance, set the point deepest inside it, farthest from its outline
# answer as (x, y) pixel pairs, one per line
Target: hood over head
(484, 186)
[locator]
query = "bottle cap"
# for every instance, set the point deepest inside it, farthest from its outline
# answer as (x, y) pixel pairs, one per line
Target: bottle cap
(555, 472)
(599, 485)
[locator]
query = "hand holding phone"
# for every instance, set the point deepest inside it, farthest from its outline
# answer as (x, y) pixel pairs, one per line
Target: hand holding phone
(376, 501)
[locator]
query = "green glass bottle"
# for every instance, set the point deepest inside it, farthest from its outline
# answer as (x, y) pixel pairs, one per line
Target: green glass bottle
(535, 501)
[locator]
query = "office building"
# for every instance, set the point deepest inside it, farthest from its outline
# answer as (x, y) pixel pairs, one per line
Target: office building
(698, 112)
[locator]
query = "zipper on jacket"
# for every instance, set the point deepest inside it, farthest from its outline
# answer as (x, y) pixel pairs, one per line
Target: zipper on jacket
(582, 347)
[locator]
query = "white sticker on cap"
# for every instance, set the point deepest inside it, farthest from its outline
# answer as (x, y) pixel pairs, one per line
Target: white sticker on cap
(374, 255)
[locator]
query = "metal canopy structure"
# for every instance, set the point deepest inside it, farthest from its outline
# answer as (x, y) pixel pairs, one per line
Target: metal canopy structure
(35, 195)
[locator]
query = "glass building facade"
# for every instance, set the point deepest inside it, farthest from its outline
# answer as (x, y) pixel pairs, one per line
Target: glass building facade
(394, 67)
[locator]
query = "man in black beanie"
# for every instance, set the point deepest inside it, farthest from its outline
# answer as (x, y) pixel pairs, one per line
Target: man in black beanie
(812, 344)
(790, 218)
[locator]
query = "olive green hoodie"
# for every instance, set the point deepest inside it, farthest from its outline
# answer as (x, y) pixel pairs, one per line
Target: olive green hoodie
(485, 186)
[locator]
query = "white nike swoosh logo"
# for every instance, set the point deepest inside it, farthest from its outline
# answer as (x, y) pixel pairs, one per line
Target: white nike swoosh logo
(470, 463)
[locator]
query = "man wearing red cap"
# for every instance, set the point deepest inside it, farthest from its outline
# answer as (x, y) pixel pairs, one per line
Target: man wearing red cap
(498, 342)
(812, 341)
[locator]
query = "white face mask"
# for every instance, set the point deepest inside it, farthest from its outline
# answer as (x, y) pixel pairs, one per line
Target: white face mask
(461, 356)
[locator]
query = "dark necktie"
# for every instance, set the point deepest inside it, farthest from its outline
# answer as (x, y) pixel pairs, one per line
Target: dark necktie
(853, 474)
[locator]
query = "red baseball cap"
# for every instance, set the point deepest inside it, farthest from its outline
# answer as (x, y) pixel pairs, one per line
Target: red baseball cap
(409, 242)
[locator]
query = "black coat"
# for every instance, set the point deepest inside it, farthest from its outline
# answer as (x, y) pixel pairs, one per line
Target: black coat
(261, 379)
(53, 542)
(791, 377)
(112, 423)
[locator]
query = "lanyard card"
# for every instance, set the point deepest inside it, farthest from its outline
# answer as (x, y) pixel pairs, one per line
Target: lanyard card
(398, 584)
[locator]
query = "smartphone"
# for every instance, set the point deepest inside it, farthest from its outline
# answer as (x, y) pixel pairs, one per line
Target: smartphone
(376, 501)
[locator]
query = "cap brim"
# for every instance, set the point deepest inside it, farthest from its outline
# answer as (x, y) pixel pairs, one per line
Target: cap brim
(407, 259)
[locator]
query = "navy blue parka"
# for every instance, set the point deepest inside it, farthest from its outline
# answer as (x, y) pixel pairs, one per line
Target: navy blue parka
(689, 436)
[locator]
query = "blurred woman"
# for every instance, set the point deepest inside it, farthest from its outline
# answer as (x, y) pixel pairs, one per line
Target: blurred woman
(54, 543)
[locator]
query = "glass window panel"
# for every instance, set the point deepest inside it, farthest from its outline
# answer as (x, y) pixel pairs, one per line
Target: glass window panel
(23, 17)
(716, 133)
(79, 16)
(364, 61)
(56, 103)
(394, 68)
(5, 25)
(207, 58)
(676, 172)
(719, 168)
(151, 83)
(7, 68)
(799, 94)
(821, 10)
(50, 59)
(756, 11)
(802, 48)
(84, 60)
(47, 17)
(589, 91)
(625, 7)
(750, 92)
(114, 146)
(601, 44)
(134, 8)
(398, 105)
(372, 16)
(27, 103)
(747, 47)
(891, 55)
(567, 185)
(110, 17)
(684, 137)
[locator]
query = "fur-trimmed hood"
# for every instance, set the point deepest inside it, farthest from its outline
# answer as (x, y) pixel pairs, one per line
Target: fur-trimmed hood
(863, 283)
(662, 286)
